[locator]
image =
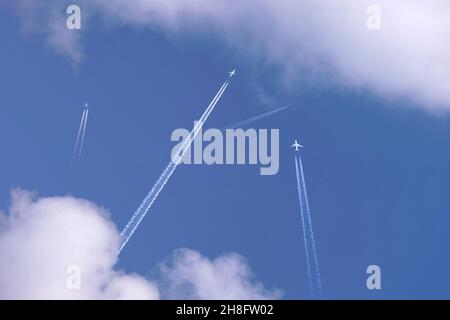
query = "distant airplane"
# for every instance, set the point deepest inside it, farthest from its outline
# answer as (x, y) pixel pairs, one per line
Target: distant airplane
(296, 145)
(232, 73)
(86, 106)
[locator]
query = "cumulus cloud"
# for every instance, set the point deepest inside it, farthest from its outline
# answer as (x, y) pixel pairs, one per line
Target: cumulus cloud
(408, 58)
(65, 248)
(42, 239)
(191, 276)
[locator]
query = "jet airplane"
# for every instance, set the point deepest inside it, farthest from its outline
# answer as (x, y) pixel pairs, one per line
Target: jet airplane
(296, 145)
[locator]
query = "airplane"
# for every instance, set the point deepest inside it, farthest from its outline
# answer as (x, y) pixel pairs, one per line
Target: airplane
(296, 145)
(86, 106)
(232, 73)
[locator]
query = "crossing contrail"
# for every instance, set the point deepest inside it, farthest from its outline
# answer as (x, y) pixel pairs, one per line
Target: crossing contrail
(302, 214)
(141, 212)
(311, 232)
(307, 227)
(250, 120)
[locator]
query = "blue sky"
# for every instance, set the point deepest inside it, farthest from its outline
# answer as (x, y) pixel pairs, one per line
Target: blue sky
(376, 168)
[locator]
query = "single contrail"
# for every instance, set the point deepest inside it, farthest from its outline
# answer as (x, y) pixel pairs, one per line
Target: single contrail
(75, 148)
(311, 231)
(140, 213)
(302, 214)
(83, 134)
(245, 122)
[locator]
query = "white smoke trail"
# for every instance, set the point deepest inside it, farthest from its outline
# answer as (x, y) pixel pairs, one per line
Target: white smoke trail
(311, 231)
(300, 198)
(140, 213)
(75, 148)
(84, 133)
(252, 119)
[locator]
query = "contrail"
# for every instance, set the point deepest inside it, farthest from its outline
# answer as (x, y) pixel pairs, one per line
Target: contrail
(140, 213)
(300, 198)
(245, 122)
(310, 228)
(84, 133)
(75, 148)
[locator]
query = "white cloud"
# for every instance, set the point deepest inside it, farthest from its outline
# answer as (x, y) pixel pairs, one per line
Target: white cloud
(408, 58)
(191, 276)
(48, 18)
(64, 41)
(40, 238)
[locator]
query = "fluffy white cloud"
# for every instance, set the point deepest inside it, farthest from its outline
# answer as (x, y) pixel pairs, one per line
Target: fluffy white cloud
(408, 58)
(46, 243)
(191, 276)
(41, 239)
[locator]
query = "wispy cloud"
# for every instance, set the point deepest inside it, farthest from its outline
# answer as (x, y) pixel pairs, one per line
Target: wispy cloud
(408, 58)
(48, 19)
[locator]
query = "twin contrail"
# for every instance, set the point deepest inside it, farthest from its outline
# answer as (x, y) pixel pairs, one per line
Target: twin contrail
(315, 281)
(79, 144)
(305, 239)
(245, 122)
(311, 232)
(140, 213)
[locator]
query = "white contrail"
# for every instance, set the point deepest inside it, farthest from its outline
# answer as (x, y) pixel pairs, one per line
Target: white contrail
(83, 134)
(75, 148)
(162, 180)
(311, 231)
(245, 122)
(302, 213)
(140, 213)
